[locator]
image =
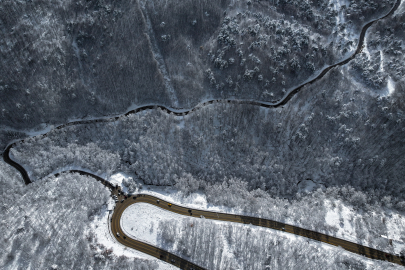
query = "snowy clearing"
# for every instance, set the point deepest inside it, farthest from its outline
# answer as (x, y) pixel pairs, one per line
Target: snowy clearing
(344, 218)
(140, 221)
(390, 86)
(100, 227)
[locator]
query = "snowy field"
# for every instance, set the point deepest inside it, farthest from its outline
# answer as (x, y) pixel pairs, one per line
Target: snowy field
(100, 227)
(344, 218)
(140, 221)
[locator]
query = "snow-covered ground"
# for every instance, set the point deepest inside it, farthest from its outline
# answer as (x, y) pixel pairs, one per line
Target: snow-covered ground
(390, 81)
(143, 222)
(342, 217)
(116, 179)
(100, 227)
(400, 9)
(390, 85)
(140, 221)
(196, 200)
(338, 214)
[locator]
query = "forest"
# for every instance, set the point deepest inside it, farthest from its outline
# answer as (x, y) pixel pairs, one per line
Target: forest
(349, 137)
(64, 60)
(242, 156)
(381, 61)
(45, 225)
(216, 245)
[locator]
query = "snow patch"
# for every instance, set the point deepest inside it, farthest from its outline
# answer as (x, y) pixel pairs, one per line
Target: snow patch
(382, 61)
(400, 9)
(332, 218)
(309, 185)
(118, 178)
(365, 49)
(390, 86)
(340, 216)
(140, 220)
(101, 228)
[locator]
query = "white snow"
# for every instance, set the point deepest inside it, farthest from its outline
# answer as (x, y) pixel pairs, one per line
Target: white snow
(340, 18)
(338, 214)
(390, 86)
(400, 9)
(390, 81)
(196, 200)
(382, 61)
(332, 218)
(140, 220)
(348, 33)
(116, 179)
(309, 185)
(365, 49)
(340, 217)
(396, 231)
(150, 216)
(100, 227)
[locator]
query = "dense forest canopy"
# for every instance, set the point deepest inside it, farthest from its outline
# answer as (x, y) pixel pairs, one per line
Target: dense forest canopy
(72, 59)
(46, 225)
(63, 60)
(331, 136)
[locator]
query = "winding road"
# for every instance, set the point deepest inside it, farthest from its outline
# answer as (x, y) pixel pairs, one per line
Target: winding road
(183, 263)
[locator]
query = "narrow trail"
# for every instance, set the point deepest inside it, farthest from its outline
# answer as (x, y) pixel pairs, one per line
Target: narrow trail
(159, 59)
(180, 262)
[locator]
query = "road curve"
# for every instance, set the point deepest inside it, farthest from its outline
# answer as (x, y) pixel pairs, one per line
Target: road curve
(196, 213)
(183, 263)
(129, 242)
(180, 262)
